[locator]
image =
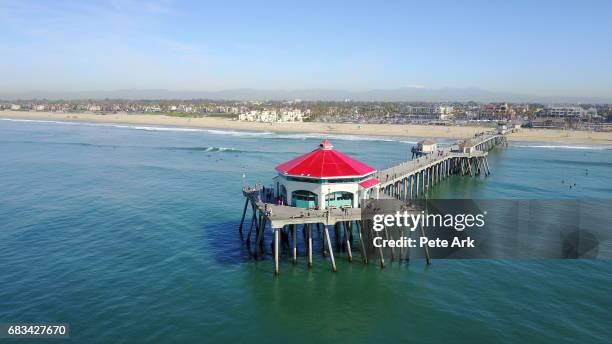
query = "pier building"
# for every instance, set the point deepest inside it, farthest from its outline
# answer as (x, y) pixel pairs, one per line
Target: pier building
(424, 147)
(325, 178)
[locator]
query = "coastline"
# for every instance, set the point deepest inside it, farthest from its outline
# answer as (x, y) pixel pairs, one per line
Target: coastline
(395, 130)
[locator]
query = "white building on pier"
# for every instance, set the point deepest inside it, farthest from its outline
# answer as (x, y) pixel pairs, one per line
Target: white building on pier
(325, 178)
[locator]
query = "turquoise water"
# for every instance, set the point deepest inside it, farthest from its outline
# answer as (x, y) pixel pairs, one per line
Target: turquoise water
(129, 234)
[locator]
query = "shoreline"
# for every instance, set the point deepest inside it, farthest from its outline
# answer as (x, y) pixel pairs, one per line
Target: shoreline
(382, 130)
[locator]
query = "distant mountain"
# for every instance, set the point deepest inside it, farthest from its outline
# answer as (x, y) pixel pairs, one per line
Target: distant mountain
(399, 94)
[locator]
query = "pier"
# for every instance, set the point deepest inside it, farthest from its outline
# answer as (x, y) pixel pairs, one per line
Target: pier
(409, 180)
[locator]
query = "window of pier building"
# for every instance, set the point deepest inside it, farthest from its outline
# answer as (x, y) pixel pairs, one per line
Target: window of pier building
(304, 199)
(339, 199)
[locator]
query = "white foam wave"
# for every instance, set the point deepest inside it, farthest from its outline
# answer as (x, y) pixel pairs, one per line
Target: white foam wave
(144, 127)
(342, 137)
(220, 149)
(147, 128)
(236, 133)
(43, 121)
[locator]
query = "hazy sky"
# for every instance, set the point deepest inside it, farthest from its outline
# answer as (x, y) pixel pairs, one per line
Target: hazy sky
(533, 47)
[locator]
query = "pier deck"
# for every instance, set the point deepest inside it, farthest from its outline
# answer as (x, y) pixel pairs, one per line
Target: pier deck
(393, 174)
(282, 215)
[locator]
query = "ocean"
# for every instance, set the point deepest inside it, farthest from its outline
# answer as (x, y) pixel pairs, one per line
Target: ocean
(129, 234)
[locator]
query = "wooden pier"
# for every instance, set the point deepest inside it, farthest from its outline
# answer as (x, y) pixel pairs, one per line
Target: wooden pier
(411, 179)
(406, 181)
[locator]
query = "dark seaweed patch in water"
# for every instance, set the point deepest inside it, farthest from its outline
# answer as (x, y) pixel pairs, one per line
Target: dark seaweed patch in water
(224, 243)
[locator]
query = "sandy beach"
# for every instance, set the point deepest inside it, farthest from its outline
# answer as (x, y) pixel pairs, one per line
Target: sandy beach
(396, 130)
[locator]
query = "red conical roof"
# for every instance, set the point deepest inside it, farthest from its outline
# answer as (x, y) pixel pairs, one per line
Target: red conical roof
(325, 162)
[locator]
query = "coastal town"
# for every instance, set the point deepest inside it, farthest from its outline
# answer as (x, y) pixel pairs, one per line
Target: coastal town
(593, 117)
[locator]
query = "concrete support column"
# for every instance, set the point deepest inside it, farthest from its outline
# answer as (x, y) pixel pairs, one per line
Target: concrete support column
(330, 249)
(348, 232)
(294, 242)
(276, 249)
(411, 181)
(309, 238)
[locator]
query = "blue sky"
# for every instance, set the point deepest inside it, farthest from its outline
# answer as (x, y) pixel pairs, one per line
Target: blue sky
(533, 47)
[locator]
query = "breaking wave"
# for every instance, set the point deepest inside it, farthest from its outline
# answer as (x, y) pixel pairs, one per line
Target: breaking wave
(208, 149)
(236, 133)
(341, 137)
(146, 127)
(177, 148)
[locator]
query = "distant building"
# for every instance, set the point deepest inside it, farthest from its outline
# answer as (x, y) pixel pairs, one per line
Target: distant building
(549, 123)
(444, 112)
(592, 112)
(423, 112)
(466, 147)
(270, 116)
(15, 107)
(424, 147)
(495, 111)
(259, 116)
(427, 146)
(562, 111)
(426, 113)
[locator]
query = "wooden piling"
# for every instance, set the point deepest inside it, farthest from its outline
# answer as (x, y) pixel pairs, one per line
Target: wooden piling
(364, 252)
(388, 238)
(276, 253)
(329, 247)
(381, 257)
(246, 203)
(248, 240)
(347, 231)
(309, 238)
(337, 237)
(255, 219)
(427, 257)
(257, 235)
(294, 235)
(262, 227)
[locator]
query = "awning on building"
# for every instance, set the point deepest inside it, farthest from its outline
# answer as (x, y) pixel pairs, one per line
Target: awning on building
(369, 183)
